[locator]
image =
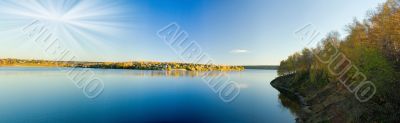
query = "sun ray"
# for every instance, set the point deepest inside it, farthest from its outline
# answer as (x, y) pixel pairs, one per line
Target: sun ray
(85, 25)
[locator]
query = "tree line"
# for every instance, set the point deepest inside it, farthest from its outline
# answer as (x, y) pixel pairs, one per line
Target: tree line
(373, 46)
(122, 65)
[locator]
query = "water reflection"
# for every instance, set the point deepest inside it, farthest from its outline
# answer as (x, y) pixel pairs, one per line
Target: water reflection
(293, 106)
(45, 95)
(40, 71)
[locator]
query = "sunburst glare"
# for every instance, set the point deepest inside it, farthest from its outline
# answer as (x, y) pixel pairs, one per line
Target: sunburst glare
(85, 25)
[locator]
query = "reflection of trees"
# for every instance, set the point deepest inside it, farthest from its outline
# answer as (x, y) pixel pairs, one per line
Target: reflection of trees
(293, 106)
(172, 73)
(42, 71)
(158, 73)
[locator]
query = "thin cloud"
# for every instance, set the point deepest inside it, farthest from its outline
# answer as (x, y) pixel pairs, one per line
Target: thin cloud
(239, 51)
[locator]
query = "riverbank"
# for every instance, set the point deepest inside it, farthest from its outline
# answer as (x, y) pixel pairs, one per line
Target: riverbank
(352, 78)
(329, 104)
(281, 85)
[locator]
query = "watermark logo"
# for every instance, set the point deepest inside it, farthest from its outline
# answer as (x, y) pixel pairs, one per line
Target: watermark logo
(338, 64)
(83, 78)
(397, 2)
(190, 51)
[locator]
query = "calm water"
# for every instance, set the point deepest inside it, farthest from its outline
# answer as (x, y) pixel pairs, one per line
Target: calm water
(46, 95)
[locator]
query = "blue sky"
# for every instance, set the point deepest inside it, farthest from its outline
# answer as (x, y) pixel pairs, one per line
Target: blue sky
(253, 32)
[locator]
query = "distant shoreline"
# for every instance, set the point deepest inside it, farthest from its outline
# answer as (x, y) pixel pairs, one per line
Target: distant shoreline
(137, 65)
(134, 65)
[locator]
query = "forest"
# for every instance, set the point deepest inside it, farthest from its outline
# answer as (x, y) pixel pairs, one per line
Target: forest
(372, 47)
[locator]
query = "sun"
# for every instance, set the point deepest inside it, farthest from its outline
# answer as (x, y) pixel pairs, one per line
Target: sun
(55, 18)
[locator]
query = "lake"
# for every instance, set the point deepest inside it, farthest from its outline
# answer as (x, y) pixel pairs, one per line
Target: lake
(47, 95)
